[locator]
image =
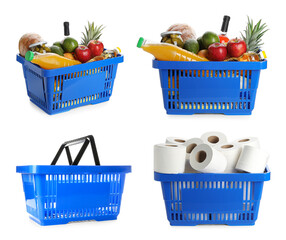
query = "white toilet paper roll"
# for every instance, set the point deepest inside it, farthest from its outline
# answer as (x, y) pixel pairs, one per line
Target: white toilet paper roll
(190, 145)
(214, 138)
(205, 158)
(252, 160)
(175, 140)
(251, 141)
(232, 152)
(169, 158)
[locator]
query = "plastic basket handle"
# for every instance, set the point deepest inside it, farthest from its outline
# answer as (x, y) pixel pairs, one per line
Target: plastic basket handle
(85, 140)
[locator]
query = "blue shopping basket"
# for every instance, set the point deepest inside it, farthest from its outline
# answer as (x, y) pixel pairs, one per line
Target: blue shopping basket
(209, 87)
(61, 194)
(62, 89)
(209, 198)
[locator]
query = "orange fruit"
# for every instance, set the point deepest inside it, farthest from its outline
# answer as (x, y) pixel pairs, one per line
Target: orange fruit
(69, 55)
(203, 53)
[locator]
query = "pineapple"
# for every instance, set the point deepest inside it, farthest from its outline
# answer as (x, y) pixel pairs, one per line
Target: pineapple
(253, 35)
(91, 33)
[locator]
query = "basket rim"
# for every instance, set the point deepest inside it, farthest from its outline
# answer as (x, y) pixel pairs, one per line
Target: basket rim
(210, 65)
(253, 177)
(70, 69)
(63, 169)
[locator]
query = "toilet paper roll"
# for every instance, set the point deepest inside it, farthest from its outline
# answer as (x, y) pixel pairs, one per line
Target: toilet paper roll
(207, 159)
(231, 151)
(169, 158)
(190, 146)
(252, 160)
(214, 138)
(175, 140)
(251, 141)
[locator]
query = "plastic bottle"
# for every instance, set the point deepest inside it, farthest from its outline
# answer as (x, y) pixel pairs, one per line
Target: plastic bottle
(168, 52)
(224, 27)
(50, 60)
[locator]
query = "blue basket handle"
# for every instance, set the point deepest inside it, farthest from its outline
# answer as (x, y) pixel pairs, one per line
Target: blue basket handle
(85, 140)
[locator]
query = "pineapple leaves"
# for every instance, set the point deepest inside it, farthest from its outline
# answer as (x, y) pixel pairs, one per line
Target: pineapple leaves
(253, 34)
(92, 32)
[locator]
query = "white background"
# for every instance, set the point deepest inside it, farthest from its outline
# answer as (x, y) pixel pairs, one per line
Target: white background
(127, 127)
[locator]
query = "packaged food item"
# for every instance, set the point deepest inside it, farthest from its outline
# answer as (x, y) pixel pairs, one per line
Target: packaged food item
(187, 31)
(26, 40)
(50, 60)
(172, 37)
(168, 52)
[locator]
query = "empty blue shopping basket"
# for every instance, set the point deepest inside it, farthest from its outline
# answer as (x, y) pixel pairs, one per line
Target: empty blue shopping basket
(209, 198)
(62, 89)
(209, 87)
(61, 194)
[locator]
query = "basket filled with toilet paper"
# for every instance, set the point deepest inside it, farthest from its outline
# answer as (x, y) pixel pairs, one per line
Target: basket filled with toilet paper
(210, 180)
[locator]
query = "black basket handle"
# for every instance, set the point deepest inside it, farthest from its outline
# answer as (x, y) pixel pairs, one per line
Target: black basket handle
(85, 140)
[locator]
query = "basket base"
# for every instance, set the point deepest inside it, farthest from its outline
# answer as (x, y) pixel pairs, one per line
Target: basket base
(66, 109)
(188, 112)
(48, 222)
(217, 223)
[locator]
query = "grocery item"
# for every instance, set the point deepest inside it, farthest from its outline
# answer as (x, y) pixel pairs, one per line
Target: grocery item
(167, 52)
(175, 140)
(169, 158)
(50, 60)
(192, 45)
(231, 153)
(206, 159)
(83, 53)
(191, 144)
(92, 32)
(217, 52)
(187, 31)
(236, 47)
(111, 53)
(58, 50)
(26, 40)
(214, 138)
(249, 57)
(57, 44)
(209, 38)
(69, 44)
(96, 47)
(248, 141)
(69, 55)
(252, 160)
(224, 27)
(204, 53)
(172, 37)
(200, 41)
(253, 35)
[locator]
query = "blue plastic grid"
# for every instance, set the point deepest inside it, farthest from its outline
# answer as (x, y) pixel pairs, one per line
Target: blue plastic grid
(62, 89)
(208, 198)
(209, 87)
(61, 194)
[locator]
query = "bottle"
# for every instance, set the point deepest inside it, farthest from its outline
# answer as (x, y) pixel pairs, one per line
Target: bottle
(224, 27)
(168, 52)
(50, 60)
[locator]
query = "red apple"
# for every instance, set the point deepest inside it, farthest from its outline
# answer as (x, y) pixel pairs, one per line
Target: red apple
(236, 47)
(96, 47)
(217, 52)
(83, 53)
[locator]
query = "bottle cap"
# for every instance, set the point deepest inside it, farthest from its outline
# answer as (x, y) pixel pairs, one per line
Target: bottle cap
(66, 29)
(140, 42)
(225, 23)
(29, 56)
